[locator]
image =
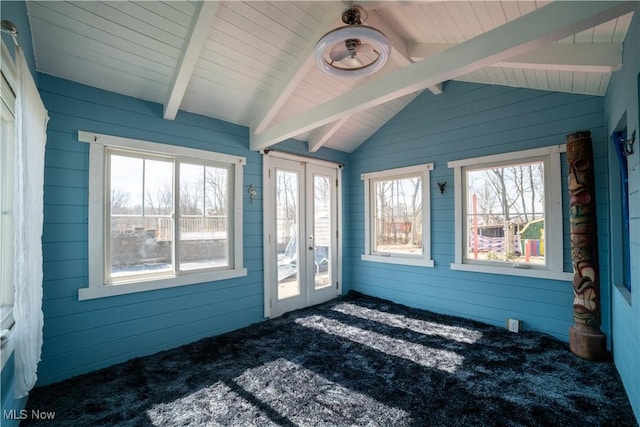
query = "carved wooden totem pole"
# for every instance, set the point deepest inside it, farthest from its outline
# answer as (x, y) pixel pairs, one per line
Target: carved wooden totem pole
(585, 338)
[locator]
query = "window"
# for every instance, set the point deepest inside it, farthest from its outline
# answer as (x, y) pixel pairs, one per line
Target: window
(7, 150)
(160, 216)
(621, 247)
(8, 147)
(508, 213)
(397, 216)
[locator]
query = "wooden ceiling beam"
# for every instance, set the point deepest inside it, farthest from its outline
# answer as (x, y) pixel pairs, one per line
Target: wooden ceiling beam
(323, 134)
(593, 57)
(298, 70)
(200, 26)
(588, 57)
(534, 30)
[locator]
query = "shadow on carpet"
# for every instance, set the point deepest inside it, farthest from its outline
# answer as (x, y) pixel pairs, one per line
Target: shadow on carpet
(355, 360)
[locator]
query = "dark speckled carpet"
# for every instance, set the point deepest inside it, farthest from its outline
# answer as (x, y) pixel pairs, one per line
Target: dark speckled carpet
(353, 361)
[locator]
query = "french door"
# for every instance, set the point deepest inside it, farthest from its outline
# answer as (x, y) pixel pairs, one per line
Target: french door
(301, 232)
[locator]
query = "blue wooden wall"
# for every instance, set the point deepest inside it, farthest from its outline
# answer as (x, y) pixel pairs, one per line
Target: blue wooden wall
(622, 100)
(81, 336)
(466, 120)
(469, 120)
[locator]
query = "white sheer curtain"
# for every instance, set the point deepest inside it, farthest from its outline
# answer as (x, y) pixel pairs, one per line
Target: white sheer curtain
(31, 126)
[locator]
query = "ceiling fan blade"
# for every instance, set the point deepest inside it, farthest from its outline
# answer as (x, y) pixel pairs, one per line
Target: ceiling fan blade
(366, 49)
(352, 62)
(339, 52)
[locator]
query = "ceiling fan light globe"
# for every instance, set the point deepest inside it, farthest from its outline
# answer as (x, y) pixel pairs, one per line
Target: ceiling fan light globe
(339, 36)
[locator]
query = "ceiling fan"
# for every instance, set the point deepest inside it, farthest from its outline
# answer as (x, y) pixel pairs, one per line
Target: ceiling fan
(354, 50)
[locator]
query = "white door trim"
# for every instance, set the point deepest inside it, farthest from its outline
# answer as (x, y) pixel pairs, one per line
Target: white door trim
(269, 231)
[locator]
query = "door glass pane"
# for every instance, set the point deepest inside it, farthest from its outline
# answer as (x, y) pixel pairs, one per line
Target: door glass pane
(287, 227)
(140, 209)
(322, 231)
(203, 217)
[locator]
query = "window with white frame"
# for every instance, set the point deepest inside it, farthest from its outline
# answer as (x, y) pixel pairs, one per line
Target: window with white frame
(508, 214)
(160, 216)
(7, 150)
(397, 216)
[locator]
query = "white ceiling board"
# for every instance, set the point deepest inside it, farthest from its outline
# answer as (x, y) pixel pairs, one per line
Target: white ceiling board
(225, 57)
(225, 33)
(242, 99)
(296, 71)
(527, 33)
(216, 106)
(62, 39)
(261, 28)
(560, 81)
(316, 87)
(178, 13)
(360, 126)
(230, 87)
(249, 48)
(115, 46)
(254, 67)
(46, 21)
(118, 64)
(97, 75)
(622, 25)
(78, 17)
(132, 22)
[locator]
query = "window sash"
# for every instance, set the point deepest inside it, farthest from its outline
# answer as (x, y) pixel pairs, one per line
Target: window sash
(100, 145)
(553, 216)
(395, 257)
(175, 262)
(229, 220)
(7, 153)
(376, 209)
(466, 214)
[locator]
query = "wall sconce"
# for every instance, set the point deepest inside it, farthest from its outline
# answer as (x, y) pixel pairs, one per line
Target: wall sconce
(441, 186)
(627, 144)
(252, 192)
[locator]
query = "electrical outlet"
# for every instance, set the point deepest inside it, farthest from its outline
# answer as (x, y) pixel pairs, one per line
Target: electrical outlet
(513, 325)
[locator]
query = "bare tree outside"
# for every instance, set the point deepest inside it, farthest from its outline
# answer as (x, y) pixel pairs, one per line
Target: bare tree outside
(159, 201)
(287, 204)
(143, 195)
(216, 189)
(119, 201)
(398, 220)
(505, 206)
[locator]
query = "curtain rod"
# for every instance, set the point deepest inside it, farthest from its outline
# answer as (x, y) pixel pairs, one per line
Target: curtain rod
(299, 157)
(10, 28)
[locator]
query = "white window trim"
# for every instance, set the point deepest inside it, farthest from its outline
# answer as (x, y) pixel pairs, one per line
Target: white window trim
(423, 260)
(553, 223)
(97, 239)
(7, 323)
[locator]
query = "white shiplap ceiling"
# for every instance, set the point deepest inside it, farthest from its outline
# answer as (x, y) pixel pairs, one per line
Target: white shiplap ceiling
(251, 62)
